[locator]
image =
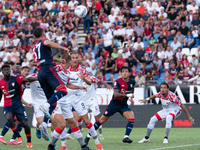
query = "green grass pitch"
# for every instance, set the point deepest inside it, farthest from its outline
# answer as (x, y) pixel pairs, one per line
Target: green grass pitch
(113, 140)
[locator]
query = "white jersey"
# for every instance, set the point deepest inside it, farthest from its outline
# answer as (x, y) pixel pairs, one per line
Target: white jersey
(76, 80)
(169, 102)
(37, 94)
(90, 95)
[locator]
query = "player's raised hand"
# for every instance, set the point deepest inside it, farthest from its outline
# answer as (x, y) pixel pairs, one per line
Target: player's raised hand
(66, 50)
(83, 88)
(63, 61)
(142, 100)
(191, 120)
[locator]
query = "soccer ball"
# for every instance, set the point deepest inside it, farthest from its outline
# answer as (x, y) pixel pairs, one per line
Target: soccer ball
(80, 11)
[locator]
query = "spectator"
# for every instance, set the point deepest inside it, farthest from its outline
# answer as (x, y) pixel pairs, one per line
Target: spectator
(166, 65)
(194, 61)
(92, 69)
(149, 78)
(14, 54)
(158, 64)
(188, 21)
(139, 55)
(191, 69)
(131, 62)
(125, 53)
(25, 62)
(119, 63)
(198, 69)
(87, 20)
(97, 7)
(139, 29)
(143, 69)
(112, 17)
(102, 78)
(168, 77)
(162, 15)
(120, 16)
(44, 11)
(89, 42)
(128, 32)
(29, 55)
(108, 41)
(186, 77)
(137, 44)
(35, 24)
(48, 4)
(120, 33)
(29, 33)
(90, 60)
(181, 69)
(139, 79)
(102, 15)
(74, 31)
(90, 52)
(168, 53)
(173, 70)
(9, 61)
(111, 80)
(189, 40)
(185, 60)
(184, 29)
(115, 10)
(74, 42)
(175, 44)
(115, 53)
(109, 65)
(195, 21)
(53, 10)
(161, 38)
(180, 37)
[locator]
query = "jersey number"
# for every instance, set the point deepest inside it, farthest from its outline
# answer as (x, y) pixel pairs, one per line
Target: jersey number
(38, 48)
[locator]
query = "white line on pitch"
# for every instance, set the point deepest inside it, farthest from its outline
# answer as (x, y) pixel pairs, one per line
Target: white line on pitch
(174, 147)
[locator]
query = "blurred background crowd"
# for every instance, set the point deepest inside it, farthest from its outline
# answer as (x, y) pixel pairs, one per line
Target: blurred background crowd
(157, 39)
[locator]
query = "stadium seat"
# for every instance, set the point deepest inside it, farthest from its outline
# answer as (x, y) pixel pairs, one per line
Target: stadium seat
(85, 51)
(138, 67)
(145, 43)
(189, 58)
(194, 51)
(148, 66)
(156, 35)
(119, 45)
(107, 75)
(162, 76)
(124, 44)
(169, 42)
(97, 60)
(186, 51)
(116, 75)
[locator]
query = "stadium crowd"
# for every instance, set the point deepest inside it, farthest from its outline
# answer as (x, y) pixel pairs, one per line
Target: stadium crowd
(157, 40)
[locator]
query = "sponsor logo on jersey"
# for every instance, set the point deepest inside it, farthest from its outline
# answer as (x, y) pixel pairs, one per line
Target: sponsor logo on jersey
(13, 84)
(131, 85)
(122, 85)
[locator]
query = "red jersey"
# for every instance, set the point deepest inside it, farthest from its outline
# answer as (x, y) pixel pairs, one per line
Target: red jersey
(11, 34)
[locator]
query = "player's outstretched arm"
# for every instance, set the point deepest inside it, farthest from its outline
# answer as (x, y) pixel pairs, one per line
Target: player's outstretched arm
(117, 94)
(72, 86)
(194, 78)
(147, 99)
(29, 79)
(54, 45)
(107, 85)
(87, 81)
(191, 120)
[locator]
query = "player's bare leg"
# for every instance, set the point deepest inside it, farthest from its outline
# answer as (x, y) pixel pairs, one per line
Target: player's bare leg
(80, 123)
(39, 122)
(150, 127)
(68, 135)
(27, 132)
(131, 118)
(91, 130)
(100, 128)
(58, 130)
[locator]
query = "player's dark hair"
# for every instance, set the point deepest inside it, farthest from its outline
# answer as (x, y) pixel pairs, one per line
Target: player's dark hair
(164, 83)
(74, 52)
(125, 68)
(66, 57)
(25, 67)
(5, 66)
(38, 32)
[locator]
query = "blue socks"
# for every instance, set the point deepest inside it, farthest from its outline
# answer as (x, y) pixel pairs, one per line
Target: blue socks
(69, 131)
(5, 129)
(129, 126)
(56, 96)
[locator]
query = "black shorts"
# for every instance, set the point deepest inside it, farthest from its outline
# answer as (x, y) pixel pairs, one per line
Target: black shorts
(19, 111)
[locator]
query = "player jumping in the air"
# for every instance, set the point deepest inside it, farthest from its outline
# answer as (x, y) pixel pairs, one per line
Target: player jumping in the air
(123, 90)
(24, 73)
(47, 76)
(10, 87)
(172, 108)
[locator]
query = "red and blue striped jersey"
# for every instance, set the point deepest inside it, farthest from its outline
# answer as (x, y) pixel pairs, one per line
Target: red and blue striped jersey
(124, 88)
(42, 54)
(12, 90)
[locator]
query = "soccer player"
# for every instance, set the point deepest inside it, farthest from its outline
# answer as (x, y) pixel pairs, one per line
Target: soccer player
(91, 100)
(63, 109)
(77, 75)
(24, 73)
(123, 90)
(47, 76)
(172, 108)
(10, 87)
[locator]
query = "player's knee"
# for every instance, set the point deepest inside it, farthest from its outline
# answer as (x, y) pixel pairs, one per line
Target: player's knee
(10, 122)
(62, 88)
(153, 120)
(62, 125)
(25, 124)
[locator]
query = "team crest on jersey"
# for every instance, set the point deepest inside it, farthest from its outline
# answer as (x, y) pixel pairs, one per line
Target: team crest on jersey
(2, 87)
(13, 84)
(131, 85)
(168, 103)
(56, 108)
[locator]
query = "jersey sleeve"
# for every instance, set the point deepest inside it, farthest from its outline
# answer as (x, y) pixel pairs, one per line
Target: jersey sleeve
(86, 73)
(116, 85)
(174, 98)
(44, 40)
(19, 80)
(94, 79)
(158, 95)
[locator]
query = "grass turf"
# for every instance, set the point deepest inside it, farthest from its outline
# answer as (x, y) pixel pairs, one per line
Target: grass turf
(113, 140)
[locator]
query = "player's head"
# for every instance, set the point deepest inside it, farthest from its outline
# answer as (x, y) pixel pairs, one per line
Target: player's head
(6, 70)
(164, 88)
(74, 57)
(25, 71)
(38, 33)
(67, 58)
(125, 72)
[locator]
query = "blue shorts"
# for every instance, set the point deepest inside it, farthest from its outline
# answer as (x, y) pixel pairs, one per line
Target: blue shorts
(49, 80)
(19, 111)
(112, 108)
(73, 109)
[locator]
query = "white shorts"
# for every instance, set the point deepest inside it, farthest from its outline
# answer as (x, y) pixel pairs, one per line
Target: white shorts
(162, 114)
(93, 108)
(37, 111)
(66, 108)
